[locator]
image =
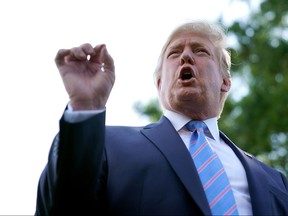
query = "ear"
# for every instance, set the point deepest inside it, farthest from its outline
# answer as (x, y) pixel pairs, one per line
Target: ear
(159, 84)
(226, 85)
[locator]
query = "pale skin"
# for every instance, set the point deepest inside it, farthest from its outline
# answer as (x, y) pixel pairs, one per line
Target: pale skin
(88, 74)
(197, 97)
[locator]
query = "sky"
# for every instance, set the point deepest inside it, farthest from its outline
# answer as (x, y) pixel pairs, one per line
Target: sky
(31, 91)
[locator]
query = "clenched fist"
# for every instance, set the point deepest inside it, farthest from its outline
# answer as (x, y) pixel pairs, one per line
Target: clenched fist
(88, 74)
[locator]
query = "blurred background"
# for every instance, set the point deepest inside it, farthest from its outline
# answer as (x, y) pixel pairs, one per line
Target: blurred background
(33, 98)
(255, 116)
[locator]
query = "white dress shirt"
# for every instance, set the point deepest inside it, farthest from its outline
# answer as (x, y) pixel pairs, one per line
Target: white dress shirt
(232, 165)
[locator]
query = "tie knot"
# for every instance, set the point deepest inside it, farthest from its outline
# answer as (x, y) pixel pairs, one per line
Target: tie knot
(195, 125)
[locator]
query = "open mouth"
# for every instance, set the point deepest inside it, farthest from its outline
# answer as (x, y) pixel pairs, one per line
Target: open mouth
(186, 76)
(186, 73)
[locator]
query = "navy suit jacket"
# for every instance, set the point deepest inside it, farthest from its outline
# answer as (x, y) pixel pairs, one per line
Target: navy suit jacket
(94, 169)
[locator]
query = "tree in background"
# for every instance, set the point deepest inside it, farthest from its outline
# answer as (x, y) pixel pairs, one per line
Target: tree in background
(257, 121)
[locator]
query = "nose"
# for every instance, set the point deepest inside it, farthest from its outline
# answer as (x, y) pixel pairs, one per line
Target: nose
(186, 57)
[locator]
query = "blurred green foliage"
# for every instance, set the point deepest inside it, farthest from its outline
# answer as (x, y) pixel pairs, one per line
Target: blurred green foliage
(257, 121)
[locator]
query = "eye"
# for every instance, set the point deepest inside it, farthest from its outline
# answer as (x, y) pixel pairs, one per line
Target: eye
(201, 51)
(174, 53)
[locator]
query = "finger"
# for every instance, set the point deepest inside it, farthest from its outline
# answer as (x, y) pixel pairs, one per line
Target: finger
(97, 52)
(60, 56)
(107, 60)
(77, 53)
(88, 49)
(81, 53)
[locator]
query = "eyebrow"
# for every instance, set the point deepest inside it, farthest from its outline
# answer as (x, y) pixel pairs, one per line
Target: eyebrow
(191, 43)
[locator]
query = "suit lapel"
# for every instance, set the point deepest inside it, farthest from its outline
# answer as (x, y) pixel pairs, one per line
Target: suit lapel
(168, 141)
(258, 187)
(174, 150)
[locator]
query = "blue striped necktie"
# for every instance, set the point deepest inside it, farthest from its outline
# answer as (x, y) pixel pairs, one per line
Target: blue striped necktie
(211, 172)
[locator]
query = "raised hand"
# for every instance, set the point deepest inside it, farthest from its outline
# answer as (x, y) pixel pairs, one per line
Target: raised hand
(88, 74)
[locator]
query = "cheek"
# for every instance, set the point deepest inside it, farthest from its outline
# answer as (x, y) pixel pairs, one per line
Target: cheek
(213, 76)
(165, 88)
(214, 89)
(166, 80)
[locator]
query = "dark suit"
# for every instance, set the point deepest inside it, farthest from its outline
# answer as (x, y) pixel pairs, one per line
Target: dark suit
(143, 171)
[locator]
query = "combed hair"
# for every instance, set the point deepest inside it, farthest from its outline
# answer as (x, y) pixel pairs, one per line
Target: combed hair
(215, 33)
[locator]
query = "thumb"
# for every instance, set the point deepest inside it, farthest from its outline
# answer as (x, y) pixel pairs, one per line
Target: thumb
(106, 59)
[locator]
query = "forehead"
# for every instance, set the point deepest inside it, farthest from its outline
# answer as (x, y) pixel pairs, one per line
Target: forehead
(190, 39)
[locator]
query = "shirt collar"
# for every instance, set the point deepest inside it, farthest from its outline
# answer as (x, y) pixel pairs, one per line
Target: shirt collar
(179, 121)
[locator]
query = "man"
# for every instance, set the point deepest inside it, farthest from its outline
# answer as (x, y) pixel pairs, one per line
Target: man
(155, 170)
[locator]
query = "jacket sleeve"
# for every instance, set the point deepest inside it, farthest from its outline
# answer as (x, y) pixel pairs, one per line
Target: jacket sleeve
(68, 184)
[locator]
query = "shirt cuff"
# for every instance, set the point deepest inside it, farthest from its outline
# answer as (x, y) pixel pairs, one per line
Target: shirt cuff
(78, 116)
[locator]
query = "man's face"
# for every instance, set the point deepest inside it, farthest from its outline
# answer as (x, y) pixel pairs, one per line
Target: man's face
(191, 82)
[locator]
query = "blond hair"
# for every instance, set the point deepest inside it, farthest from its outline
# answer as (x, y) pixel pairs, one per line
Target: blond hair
(215, 33)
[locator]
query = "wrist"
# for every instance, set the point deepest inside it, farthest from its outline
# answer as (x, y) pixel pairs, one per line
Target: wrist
(85, 105)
